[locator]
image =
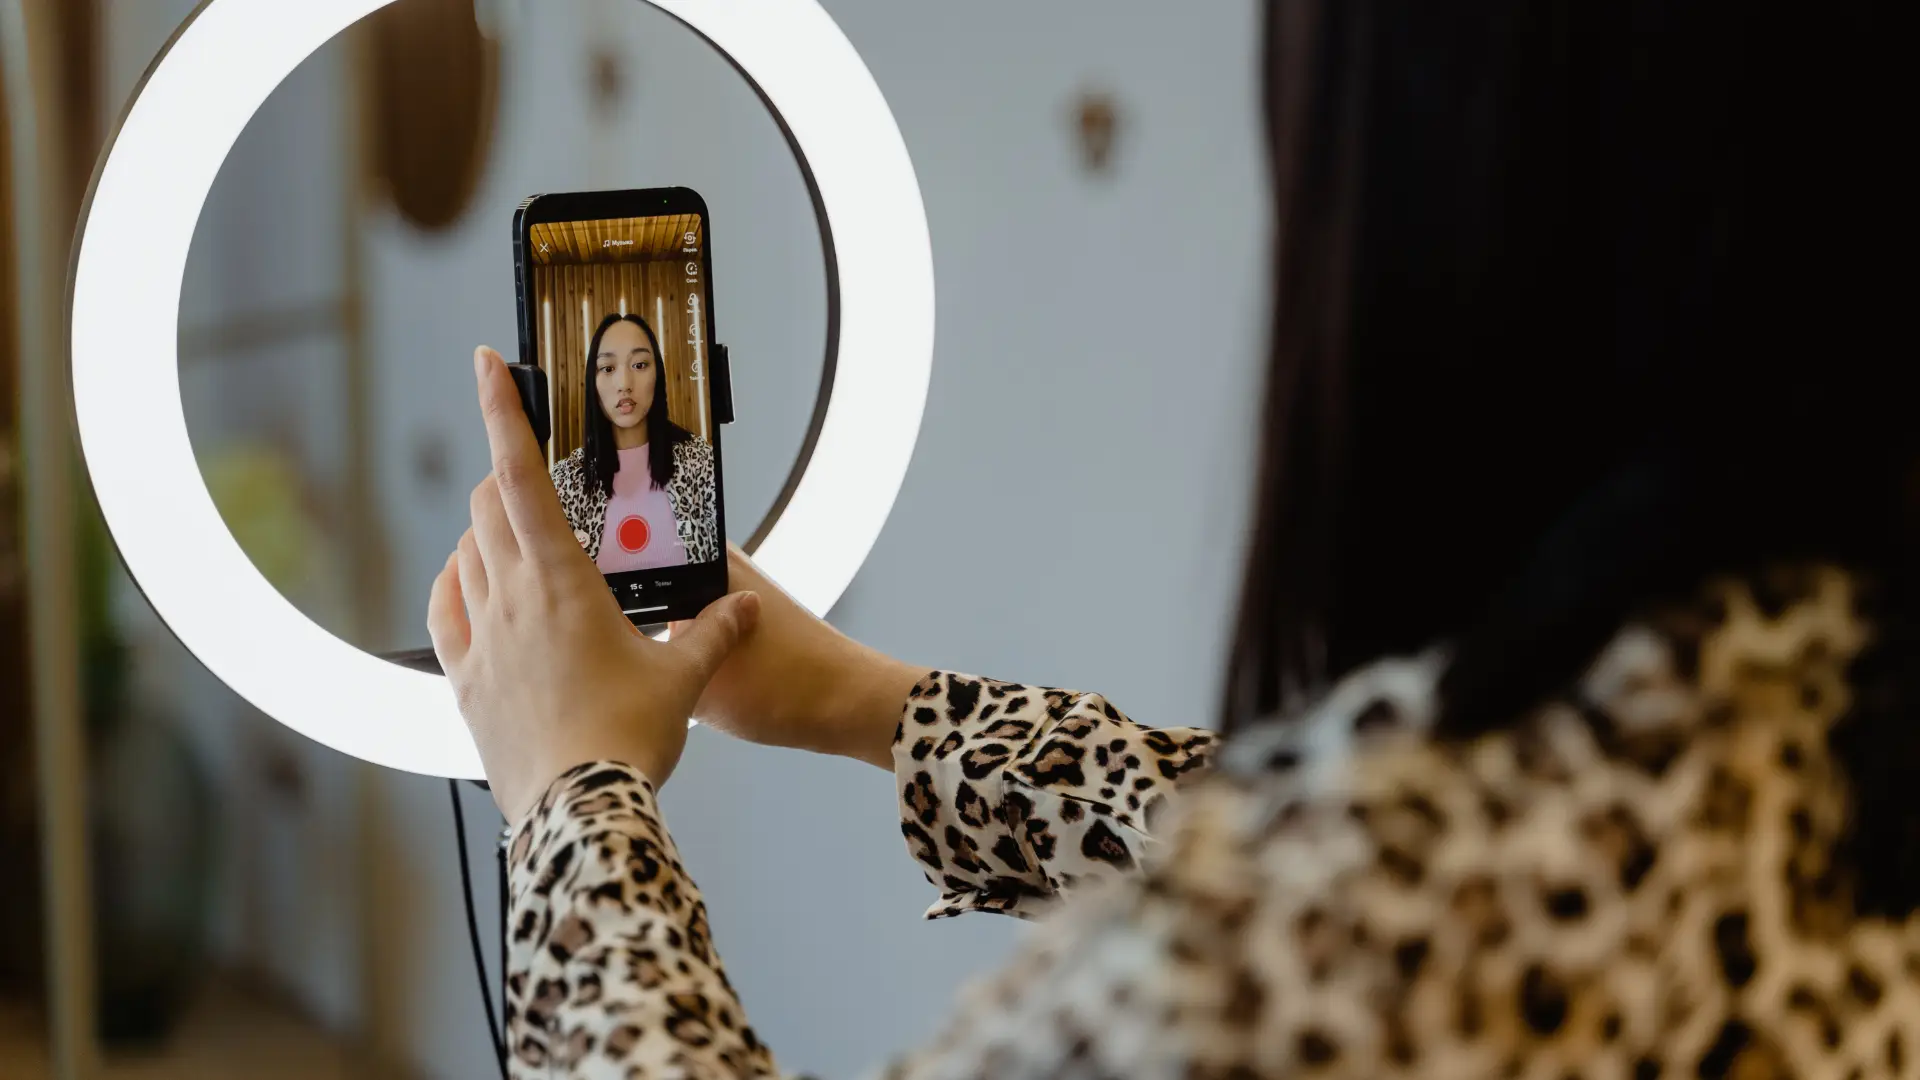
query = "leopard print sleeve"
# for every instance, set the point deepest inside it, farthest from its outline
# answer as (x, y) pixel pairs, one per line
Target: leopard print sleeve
(610, 968)
(586, 514)
(1644, 877)
(695, 504)
(1010, 795)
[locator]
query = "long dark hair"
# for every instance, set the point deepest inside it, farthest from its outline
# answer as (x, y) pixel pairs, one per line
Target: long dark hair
(663, 435)
(1577, 302)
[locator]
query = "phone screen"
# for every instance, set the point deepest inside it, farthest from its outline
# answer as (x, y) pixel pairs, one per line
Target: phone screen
(620, 319)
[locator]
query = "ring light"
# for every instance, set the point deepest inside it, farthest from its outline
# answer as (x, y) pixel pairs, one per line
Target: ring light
(132, 257)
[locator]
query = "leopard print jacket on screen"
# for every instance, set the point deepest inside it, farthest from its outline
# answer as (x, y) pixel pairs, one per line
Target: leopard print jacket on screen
(1638, 881)
(690, 493)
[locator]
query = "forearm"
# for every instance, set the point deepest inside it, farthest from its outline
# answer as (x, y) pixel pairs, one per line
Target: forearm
(797, 682)
(870, 690)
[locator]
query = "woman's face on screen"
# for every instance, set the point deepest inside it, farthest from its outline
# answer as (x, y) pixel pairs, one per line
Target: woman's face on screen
(624, 372)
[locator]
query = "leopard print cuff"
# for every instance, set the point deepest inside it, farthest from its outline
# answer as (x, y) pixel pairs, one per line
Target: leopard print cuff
(1011, 794)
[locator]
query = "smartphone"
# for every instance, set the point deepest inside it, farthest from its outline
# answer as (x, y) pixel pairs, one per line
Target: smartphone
(615, 301)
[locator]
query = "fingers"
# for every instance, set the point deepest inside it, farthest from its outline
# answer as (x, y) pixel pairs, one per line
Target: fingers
(491, 529)
(709, 639)
(447, 616)
(472, 569)
(526, 490)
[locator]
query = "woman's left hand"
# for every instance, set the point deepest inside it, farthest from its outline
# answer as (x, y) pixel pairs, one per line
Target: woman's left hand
(548, 672)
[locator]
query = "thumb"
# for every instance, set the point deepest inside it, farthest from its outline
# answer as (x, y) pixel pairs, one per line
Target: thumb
(711, 637)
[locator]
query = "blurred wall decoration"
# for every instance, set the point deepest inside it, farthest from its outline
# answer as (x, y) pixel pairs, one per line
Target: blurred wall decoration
(435, 75)
(1097, 125)
(609, 81)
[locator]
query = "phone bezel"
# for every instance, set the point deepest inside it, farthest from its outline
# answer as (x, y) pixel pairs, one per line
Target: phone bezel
(696, 584)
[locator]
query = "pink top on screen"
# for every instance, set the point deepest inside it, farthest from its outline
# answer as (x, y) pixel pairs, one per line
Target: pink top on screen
(640, 532)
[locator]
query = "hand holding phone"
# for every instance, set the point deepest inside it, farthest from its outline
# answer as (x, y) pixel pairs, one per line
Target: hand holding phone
(625, 392)
(548, 676)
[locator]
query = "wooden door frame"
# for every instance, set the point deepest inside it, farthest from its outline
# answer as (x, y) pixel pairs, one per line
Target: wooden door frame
(48, 53)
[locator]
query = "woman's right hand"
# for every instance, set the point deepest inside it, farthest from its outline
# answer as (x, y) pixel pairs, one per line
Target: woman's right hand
(796, 682)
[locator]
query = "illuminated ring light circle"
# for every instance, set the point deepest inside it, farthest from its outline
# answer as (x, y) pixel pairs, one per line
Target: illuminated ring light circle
(131, 260)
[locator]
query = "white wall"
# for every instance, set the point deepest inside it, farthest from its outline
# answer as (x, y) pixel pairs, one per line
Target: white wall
(1073, 514)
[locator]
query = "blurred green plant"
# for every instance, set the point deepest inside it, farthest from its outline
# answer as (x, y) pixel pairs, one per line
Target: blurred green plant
(258, 490)
(154, 811)
(103, 648)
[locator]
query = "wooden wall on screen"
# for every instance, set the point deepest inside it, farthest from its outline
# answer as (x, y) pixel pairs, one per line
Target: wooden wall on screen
(572, 299)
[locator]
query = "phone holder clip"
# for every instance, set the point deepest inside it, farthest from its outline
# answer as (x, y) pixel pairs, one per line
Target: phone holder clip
(722, 385)
(532, 384)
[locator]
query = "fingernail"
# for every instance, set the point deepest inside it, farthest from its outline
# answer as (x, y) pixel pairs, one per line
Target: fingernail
(747, 610)
(480, 362)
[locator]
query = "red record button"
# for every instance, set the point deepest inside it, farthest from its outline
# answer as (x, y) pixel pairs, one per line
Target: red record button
(635, 534)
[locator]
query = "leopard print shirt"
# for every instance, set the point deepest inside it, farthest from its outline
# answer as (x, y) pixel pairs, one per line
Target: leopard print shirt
(1010, 795)
(690, 493)
(1639, 880)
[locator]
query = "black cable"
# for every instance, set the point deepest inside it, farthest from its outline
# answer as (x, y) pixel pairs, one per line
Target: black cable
(473, 925)
(506, 837)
